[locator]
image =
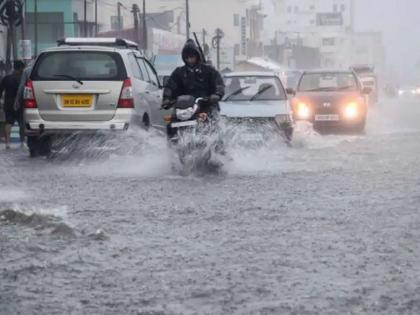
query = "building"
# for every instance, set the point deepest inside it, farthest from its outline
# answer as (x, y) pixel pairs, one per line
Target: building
(241, 22)
(125, 19)
(55, 20)
(323, 25)
(367, 48)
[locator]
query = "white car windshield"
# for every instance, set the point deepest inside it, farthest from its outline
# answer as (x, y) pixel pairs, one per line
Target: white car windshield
(254, 88)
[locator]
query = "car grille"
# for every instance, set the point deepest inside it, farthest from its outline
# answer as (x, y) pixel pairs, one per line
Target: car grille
(324, 110)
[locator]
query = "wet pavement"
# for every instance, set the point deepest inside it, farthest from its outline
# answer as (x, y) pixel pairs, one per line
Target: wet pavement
(329, 226)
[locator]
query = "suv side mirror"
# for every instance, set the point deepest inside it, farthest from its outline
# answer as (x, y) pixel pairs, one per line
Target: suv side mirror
(367, 90)
(290, 91)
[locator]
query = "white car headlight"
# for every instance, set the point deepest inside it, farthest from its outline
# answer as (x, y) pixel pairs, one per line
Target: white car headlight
(185, 114)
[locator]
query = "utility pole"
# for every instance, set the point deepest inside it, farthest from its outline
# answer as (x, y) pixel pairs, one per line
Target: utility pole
(135, 10)
(145, 39)
(216, 44)
(187, 16)
(23, 26)
(85, 28)
(204, 36)
(119, 5)
(96, 18)
(206, 48)
(178, 24)
(36, 27)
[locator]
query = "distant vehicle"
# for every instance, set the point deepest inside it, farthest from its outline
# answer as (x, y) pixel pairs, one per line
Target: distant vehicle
(331, 98)
(409, 91)
(89, 84)
(257, 97)
(368, 79)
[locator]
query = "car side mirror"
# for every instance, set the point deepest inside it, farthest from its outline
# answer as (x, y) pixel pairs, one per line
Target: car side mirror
(290, 91)
(367, 90)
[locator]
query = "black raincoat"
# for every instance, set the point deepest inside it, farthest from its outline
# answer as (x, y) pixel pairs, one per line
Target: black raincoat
(200, 80)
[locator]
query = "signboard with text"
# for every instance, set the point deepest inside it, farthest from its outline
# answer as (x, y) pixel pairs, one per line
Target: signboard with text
(329, 19)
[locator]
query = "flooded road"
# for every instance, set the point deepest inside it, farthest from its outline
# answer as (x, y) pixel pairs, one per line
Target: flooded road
(329, 226)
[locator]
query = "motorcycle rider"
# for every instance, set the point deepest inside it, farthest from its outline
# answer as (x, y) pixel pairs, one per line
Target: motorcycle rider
(197, 79)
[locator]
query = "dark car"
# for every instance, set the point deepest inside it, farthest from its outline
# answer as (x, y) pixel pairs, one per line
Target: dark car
(331, 99)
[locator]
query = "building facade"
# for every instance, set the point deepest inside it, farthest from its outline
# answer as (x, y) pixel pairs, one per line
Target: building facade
(324, 25)
(55, 20)
(241, 22)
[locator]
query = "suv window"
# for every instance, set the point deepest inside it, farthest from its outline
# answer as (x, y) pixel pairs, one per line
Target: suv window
(135, 67)
(82, 65)
(152, 74)
(143, 69)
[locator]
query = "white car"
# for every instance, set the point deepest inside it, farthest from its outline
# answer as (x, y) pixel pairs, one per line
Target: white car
(257, 97)
(89, 84)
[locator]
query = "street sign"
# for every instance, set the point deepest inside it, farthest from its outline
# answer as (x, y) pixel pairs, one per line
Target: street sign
(25, 49)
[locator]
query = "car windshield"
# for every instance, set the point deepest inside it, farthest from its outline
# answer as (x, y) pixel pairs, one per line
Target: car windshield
(254, 88)
(328, 81)
(74, 65)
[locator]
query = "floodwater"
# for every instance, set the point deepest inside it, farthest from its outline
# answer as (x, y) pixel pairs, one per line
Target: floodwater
(328, 226)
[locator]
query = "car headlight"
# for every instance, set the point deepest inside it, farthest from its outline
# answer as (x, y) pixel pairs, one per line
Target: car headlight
(401, 92)
(414, 92)
(351, 110)
(185, 114)
(303, 111)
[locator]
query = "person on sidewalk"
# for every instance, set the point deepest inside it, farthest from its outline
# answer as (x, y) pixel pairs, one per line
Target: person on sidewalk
(10, 86)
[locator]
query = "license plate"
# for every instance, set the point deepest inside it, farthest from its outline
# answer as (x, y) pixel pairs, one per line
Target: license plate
(327, 117)
(184, 124)
(77, 100)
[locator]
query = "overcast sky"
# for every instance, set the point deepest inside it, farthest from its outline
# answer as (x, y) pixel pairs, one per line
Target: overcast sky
(399, 20)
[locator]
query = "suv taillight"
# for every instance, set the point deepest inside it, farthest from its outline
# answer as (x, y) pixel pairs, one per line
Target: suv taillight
(126, 98)
(29, 95)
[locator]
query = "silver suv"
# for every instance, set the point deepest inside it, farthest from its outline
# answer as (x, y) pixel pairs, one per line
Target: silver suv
(88, 85)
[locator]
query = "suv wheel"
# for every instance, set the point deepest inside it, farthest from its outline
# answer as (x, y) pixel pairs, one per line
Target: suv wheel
(146, 122)
(39, 146)
(33, 145)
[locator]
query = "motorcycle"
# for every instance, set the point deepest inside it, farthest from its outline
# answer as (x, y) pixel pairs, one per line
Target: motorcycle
(193, 136)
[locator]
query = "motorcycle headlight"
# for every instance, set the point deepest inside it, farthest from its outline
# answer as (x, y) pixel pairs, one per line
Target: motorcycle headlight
(185, 114)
